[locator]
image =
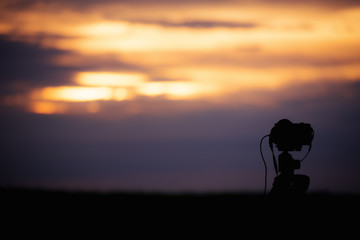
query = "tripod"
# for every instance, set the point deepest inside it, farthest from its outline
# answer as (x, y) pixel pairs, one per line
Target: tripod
(288, 183)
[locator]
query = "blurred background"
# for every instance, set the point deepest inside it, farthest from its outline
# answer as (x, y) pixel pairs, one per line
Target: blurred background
(174, 96)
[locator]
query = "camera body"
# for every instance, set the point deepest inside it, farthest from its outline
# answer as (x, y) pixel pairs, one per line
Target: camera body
(290, 136)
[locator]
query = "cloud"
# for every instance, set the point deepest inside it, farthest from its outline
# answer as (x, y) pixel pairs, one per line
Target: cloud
(30, 64)
(205, 52)
(203, 24)
(25, 3)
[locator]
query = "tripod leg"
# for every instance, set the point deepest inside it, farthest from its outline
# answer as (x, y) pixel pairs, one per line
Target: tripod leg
(301, 183)
(285, 184)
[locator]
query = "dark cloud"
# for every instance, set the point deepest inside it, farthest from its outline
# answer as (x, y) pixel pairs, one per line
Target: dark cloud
(205, 24)
(20, 3)
(31, 64)
(35, 66)
(84, 5)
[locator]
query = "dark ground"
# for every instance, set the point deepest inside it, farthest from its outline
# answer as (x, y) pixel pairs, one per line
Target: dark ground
(137, 200)
(189, 215)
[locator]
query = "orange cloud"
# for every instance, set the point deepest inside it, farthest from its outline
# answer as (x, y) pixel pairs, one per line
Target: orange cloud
(224, 48)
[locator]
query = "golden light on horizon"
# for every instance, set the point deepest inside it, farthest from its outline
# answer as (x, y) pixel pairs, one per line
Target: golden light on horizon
(110, 79)
(108, 86)
(121, 94)
(46, 107)
(76, 94)
(173, 90)
(104, 29)
(137, 83)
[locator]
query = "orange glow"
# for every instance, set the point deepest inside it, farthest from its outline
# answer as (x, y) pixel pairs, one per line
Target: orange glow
(76, 94)
(110, 79)
(283, 29)
(185, 51)
(172, 90)
(139, 83)
(93, 107)
(47, 108)
(121, 94)
(102, 29)
(221, 80)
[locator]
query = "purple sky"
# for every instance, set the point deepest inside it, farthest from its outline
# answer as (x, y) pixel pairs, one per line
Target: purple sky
(194, 115)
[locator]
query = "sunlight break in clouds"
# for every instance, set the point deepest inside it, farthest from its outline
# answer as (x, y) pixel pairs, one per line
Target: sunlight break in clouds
(76, 94)
(110, 79)
(186, 51)
(107, 86)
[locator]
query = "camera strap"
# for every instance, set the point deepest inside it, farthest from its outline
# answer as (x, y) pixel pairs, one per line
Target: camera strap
(309, 149)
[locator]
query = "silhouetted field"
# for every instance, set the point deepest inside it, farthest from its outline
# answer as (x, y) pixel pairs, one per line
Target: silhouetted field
(229, 199)
(128, 195)
(181, 209)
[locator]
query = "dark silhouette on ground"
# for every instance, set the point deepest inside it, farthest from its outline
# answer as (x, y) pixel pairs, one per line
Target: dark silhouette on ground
(90, 211)
(288, 136)
(234, 203)
(35, 194)
(286, 184)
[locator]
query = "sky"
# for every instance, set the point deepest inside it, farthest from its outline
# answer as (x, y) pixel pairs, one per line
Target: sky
(175, 96)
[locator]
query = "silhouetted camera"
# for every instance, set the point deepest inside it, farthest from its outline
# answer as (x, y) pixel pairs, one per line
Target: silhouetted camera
(290, 136)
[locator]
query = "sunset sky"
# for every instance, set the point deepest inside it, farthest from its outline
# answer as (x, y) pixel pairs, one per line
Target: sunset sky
(175, 95)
